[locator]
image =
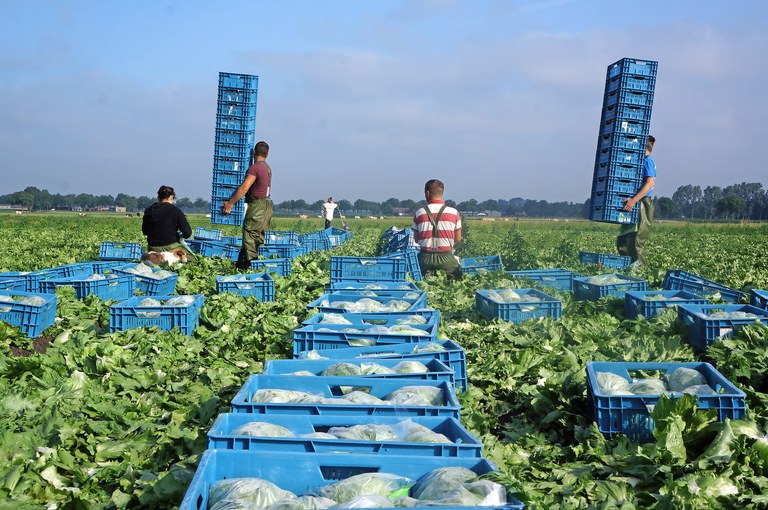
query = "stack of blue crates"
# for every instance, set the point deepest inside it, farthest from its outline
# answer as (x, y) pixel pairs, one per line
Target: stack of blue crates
(621, 144)
(235, 138)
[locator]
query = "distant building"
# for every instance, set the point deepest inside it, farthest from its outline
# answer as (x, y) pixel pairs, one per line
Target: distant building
(400, 211)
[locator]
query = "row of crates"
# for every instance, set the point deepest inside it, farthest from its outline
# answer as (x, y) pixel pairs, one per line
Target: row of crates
(235, 137)
(622, 138)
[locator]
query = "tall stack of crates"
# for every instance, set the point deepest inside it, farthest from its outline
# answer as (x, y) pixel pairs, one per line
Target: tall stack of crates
(621, 144)
(235, 138)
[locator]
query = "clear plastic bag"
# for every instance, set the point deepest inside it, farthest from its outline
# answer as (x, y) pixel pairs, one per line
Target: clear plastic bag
(262, 429)
(261, 493)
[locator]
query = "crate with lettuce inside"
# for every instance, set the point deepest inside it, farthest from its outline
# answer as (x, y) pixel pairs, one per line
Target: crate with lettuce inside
(276, 266)
(339, 302)
(32, 313)
(120, 251)
(379, 435)
(164, 312)
(447, 351)
(296, 394)
(517, 305)
(33, 278)
(650, 303)
(592, 288)
(260, 285)
(604, 260)
(372, 292)
(561, 279)
(367, 269)
(114, 286)
(678, 279)
(390, 319)
(13, 283)
(708, 323)
(619, 395)
(432, 370)
(283, 251)
(322, 480)
(346, 285)
(152, 281)
(337, 336)
(481, 264)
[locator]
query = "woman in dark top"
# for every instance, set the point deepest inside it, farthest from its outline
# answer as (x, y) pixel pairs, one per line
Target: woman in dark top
(162, 223)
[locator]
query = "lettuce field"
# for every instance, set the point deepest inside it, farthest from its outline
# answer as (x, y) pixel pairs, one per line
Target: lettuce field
(96, 420)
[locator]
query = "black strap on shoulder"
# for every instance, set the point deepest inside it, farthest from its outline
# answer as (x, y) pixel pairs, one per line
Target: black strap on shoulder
(434, 221)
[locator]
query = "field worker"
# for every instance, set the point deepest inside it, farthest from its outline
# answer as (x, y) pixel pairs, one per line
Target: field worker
(328, 208)
(162, 223)
(256, 189)
(436, 228)
(632, 238)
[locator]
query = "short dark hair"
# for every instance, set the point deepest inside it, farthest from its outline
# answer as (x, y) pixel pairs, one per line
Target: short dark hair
(434, 187)
(165, 192)
(651, 141)
(261, 149)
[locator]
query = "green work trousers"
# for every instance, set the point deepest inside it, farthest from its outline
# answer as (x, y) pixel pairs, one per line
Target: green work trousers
(191, 256)
(632, 244)
(442, 261)
(258, 215)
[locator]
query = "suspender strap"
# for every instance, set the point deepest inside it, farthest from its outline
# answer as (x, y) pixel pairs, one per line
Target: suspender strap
(434, 221)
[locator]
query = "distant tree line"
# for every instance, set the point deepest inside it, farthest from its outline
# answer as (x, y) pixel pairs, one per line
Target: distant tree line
(747, 201)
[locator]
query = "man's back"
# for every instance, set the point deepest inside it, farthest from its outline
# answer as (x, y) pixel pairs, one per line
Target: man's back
(447, 225)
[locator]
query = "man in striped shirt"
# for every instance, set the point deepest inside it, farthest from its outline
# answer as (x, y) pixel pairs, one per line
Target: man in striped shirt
(436, 228)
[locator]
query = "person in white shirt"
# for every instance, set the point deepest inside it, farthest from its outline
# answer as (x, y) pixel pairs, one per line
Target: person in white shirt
(329, 207)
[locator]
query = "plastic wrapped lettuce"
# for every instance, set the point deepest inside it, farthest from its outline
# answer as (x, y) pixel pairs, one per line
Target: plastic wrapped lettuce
(32, 300)
(228, 504)
(262, 429)
(509, 295)
(367, 432)
(303, 372)
(270, 396)
(302, 503)
(427, 347)
(439, 481)
(180, 301)
(307, 398)
(333, 400)
(478, 493)
(611, 381)
(362, 398)
(333, 318)
(648, 387)
(683, 377)
(370, 368)
(159, 275)
(96, 277)
(141, 269)
(370, 501)
(149, 315)
(410, 367)
(365, 484)
(342, 369)
(6, 299)
(149, 302)
(397, 305)
(417, 396)
(412, 432)
(405, 329)
(411, 295)
(345, 330)
(319, 435)
(261, 493)
(347, 305)
(700, 389)
(313, 354)
(362, 342)
(615, 392)
(412, 319)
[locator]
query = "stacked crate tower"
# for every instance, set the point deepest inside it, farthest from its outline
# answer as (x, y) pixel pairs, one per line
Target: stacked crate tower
(235, 138)
(624, 128)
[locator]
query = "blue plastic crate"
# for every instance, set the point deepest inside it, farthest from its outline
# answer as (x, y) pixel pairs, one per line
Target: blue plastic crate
(219, 218)
(437, 370)
(241, 110)
(193, 245)
(633, 66)
(232, 240)
(452, 354)
(614, 215)
(420, 295)
(237, 137)
(629, 97)
(332, 387)
(759, 299)
(704, 331)
(235, 167)
(621, 111)
(117, 287)
(624, 127)
(31, 319)
(13, 283)
(150, 286)
(25, 281)
(604, 259)
(367, 269)
(343, 286)
(120, 251)
(619, 140)
(237, 95)
(583, 290)
(332, 336)
(232, 151)
(411, 261)
(481, 264)
(609, 200)
(624, 81)
(618, 157)
(630, 415)
(283, 251)
(221, 437)
(316, 241)
(240, 81)
(556, 278)
(105, 265)
(616, 171)
(518, 311)
(705, 288)
(208, 234)
(323, 303)
(281, 238)
(213, 249)
(300, 472)
(229, 122)
(376, 318)
(613, 185)
(260, 285)
(637, 302)
(129, 315)
(281, 267)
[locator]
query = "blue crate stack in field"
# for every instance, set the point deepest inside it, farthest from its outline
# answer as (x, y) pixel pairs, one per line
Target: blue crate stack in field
(624, 127)
(235, 138)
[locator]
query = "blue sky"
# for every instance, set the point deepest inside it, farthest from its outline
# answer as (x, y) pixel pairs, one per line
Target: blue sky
(369, 99)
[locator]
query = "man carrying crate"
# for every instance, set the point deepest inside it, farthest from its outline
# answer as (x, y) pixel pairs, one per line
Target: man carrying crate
(256, 188)
(632, 238)
(436, 228)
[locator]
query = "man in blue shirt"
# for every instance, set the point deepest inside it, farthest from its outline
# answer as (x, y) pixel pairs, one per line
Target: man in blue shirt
(632, 238)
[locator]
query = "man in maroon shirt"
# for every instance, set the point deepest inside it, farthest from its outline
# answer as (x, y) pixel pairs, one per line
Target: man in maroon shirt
(256, 189)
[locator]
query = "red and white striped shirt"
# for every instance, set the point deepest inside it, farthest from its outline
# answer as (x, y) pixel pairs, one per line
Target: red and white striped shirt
(447, 226)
